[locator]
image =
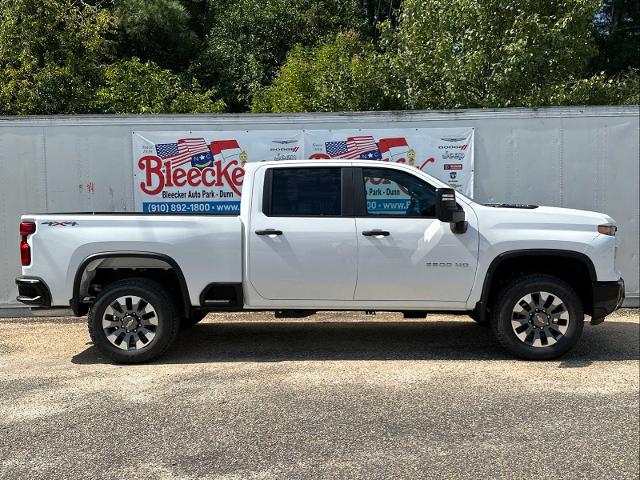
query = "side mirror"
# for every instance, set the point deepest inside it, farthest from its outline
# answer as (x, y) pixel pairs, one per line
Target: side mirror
(446, 205)
(447, 209)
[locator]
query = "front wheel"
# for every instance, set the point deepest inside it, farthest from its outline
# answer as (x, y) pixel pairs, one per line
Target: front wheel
(539, 317)
(133, 321)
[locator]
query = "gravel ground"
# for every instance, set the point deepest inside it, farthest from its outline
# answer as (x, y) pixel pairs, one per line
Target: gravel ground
(338, 395)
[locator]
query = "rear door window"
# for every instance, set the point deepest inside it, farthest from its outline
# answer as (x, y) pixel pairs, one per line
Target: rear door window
(303, 192)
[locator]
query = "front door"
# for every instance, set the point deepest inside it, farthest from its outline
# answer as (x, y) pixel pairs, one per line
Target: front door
(404, 252)
(301, 244)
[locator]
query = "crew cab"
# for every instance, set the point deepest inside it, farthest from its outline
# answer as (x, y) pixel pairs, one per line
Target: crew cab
(327, 235)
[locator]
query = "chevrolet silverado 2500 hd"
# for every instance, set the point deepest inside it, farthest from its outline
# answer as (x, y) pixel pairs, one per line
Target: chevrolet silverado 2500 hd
(328, 235)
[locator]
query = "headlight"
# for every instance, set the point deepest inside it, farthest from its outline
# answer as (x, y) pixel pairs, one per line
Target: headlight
(608, 229)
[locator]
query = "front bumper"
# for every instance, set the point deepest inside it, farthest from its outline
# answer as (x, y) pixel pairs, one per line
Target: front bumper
(33, 291)
(607, 297)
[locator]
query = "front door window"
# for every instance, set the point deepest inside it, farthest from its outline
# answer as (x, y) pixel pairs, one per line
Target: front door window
(397, 194)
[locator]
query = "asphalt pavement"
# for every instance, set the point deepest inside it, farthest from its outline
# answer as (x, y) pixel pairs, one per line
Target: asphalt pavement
(337, 395)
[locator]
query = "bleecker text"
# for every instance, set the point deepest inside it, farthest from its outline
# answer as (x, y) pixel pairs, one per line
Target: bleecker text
(159, 175)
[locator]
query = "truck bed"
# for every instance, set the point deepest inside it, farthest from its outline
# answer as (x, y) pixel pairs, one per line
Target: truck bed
(207, 249)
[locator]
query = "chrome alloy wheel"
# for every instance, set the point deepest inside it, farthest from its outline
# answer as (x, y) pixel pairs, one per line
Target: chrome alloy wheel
(540, 319)
(130, 323)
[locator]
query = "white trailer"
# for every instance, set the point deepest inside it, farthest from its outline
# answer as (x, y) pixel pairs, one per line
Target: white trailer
(575, 157)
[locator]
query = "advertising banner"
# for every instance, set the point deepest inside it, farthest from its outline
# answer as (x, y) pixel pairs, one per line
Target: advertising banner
(444, 153)
(203, 171)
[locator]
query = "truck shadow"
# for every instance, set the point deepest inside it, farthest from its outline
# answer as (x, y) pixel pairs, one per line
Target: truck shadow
(436, 340)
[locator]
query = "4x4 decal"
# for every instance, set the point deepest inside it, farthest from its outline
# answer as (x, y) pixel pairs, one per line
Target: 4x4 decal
(60, 224)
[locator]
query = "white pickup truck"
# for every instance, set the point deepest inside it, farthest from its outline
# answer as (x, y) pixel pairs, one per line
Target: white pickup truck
(328, 235)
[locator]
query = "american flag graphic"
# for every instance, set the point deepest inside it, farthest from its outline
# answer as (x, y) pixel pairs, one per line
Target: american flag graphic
(182, 151)
(362, 147)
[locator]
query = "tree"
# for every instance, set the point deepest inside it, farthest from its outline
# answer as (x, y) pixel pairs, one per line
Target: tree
(456, 54)
(132, 56)
(250, 40)
(157, 30)
(494, 53)
(342, 74)
(380, 10)
(617, 32)
(622, 89)
(51, 55)
(131, 86)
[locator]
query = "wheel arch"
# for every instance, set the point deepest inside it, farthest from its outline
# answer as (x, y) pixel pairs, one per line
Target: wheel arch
(80, 308)
(542, 257)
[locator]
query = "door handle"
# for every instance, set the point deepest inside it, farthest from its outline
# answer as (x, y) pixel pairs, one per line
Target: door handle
(269, 231)
(376, 233)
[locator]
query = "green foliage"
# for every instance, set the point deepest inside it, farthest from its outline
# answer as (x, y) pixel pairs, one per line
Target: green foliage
(493, 53)
(152, 56)
(455, 54)
(250, 39)
(159, 30)
(623, 89)
(342, 74)
(51, 55)
(131, 86)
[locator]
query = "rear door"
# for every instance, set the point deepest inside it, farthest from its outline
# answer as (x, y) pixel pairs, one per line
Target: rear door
(302, 243)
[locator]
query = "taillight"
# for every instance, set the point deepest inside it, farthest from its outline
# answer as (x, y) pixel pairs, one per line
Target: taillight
(26, 229)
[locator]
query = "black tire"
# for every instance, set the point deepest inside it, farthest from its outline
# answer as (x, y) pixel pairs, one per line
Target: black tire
(193, 319)
(501, 317)
(165, 316)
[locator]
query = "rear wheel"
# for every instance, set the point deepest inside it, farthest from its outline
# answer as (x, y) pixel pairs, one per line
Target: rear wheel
(539, 317)
(133, 321)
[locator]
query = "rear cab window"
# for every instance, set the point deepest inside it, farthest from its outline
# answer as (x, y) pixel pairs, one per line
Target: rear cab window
(303, 192)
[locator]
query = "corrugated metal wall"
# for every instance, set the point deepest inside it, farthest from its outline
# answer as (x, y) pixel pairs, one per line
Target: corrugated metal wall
(582, 157)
